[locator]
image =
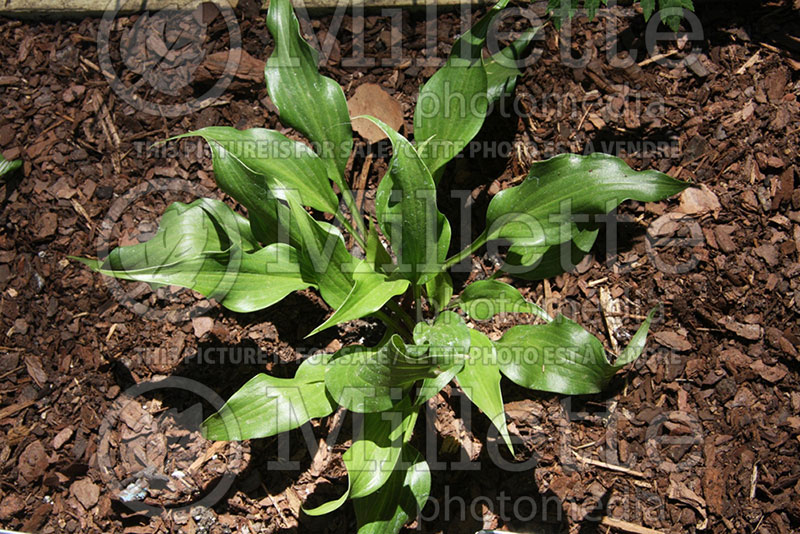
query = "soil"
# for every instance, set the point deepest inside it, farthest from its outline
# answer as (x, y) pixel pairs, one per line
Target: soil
(702, 434)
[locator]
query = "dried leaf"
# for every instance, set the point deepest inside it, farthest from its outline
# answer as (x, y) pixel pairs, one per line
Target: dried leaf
(372, 99)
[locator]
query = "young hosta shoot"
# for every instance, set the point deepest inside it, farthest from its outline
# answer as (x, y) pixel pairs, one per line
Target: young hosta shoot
(397, 269)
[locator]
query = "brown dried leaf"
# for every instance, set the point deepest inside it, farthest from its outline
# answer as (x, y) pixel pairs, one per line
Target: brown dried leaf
(372, 99)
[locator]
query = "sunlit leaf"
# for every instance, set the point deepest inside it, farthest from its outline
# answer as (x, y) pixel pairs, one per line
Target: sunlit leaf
(266, 405)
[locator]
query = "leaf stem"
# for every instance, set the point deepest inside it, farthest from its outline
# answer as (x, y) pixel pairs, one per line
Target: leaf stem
(349, 227)
(395, 307)
(412, 422)
(350, 202)
(467, 252)
(392, 324)
(418, 301)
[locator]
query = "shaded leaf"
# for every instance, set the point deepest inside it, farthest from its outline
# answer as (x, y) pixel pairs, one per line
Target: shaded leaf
(562, 357)
(480, 381)
(370, 292)
(467, 47)
(440, 290)
(540, 211)
(450, 111)
(324, 258)
(374, 455)
(541, 263)
(277, 163)
(405, 205)
(400, 500)
(501, 69)
(266, 405)
(373, 380)
(484, 299)
(448, 339)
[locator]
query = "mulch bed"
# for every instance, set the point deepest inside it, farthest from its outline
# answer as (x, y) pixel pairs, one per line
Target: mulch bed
(702, 434)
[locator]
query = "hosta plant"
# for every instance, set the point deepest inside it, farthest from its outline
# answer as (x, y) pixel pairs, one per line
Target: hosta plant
(397, 268)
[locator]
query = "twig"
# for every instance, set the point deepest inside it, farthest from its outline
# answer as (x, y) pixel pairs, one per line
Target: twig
(628, 527)
(750, 62)
(657, 57)
(275, 504)
(612, 467)
(8, 411)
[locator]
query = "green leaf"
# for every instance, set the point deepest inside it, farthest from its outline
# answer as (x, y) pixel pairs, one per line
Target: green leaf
(452, 105)
(405, 205)
(401, 498)
(269, 218)
(648, 7)
(501, 69)
(376, 449)
(450, 111)
(480, 381)
(540, 211)
(323, 256)
(447, 339)
(672, 12)
(307, 101)
(369, 293)
(373, 380)
(484, 299)
(541, 263)
(562, 10)
(562, 357)
(7, 167)
(266, 405)
(439, 290)
(468, 47)
(591, 7)
(376, 254)
(207, 247)
(277, 163)
(374, 455)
